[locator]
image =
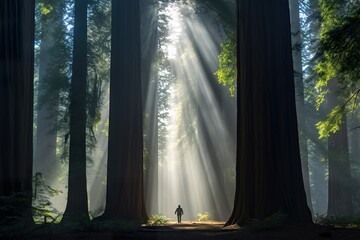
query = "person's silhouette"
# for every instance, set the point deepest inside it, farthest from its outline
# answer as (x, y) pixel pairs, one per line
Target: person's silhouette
(179, 211)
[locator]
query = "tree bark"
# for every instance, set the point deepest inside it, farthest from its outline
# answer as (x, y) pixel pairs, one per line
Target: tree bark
(16, 97)
(268, 168)
(125, 197)
(77, 204)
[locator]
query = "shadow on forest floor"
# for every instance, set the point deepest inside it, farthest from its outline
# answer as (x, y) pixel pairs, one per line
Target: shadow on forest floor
(207, 231)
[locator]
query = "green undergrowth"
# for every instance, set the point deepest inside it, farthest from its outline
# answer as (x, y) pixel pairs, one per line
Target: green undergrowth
(342, 222)
(157, 220)
(203, 217)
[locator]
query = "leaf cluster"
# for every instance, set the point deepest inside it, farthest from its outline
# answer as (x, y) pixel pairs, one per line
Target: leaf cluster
(203, 217)
(227, 72)
(338, 57)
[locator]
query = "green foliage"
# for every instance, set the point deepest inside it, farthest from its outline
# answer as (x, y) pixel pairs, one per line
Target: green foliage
(43, 211)
(331, 124)
(344, 222)
(157, 220)
(45, 9)
(272, 222)
(338, 56)
(227, 72)
(203, 217)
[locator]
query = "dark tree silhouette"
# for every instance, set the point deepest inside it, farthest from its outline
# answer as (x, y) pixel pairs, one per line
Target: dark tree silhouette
(340, 192)
(16, 95)
(77, 204)
(16, 104)
(124, 197)
(268, 168)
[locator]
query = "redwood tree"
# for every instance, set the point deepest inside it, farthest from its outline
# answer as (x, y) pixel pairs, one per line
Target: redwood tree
(299, 95)
(16, 95)
(77, 204)
(124, 197)
(340, 192)
(268, 167)
(16, 106)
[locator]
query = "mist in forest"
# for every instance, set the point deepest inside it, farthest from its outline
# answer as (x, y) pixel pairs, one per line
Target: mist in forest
(189, 109)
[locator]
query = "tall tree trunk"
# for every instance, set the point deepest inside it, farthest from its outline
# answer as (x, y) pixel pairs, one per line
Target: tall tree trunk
(77, 204)
(299, 95)
(45, 158)
(268, 168)
(340, 196)
(16, 97)
(355, 163)
(124, 196)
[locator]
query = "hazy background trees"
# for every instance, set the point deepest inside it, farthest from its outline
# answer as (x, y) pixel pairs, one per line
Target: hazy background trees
(185, 106)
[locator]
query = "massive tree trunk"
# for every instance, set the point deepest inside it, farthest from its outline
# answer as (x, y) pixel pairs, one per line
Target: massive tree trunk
(16, 96)
(299, 95)
(77, 204)
(268, 169)
(124, 197)
(340, 195)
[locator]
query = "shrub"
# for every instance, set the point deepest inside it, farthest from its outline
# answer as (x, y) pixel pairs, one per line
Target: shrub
(157, 220)
(203, 217)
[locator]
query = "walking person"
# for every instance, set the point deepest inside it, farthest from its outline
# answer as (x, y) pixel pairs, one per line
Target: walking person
(179, 211)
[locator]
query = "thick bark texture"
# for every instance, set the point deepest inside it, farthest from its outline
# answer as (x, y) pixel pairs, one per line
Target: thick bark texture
(125, 197)
(16, 95)
(268, 169)
(340, 194)
(299, 95)
(77, 204)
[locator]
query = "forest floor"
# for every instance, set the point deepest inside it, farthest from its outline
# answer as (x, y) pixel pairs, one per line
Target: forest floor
(208, 231)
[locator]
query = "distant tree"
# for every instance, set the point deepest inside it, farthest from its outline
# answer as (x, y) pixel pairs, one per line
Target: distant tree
(77, 204)
(124, 197)
(268, 169)
(52, 80)
(340, 193)
(299, 94)
(338, 87)
(16, 98)
(337, 57)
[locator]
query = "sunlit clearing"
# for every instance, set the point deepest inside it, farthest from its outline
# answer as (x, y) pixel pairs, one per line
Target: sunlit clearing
(196, 165)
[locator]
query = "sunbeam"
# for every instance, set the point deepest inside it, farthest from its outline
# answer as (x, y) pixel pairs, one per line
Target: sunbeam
(199, 145)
